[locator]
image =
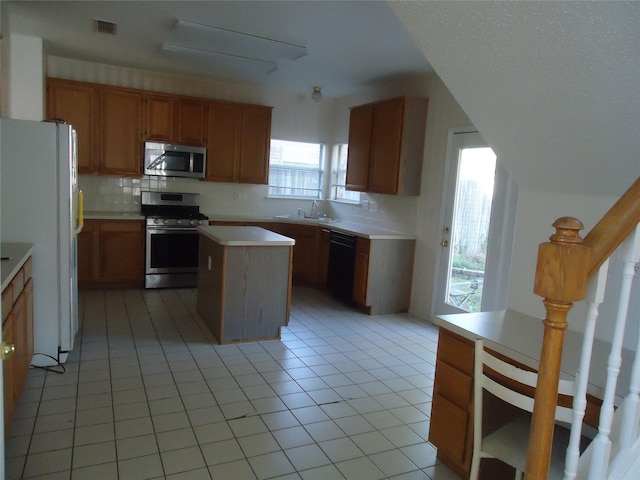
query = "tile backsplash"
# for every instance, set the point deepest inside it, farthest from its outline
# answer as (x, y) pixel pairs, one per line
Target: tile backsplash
(122, 195)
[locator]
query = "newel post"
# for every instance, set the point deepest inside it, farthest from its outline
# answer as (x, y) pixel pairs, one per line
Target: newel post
(561, 279)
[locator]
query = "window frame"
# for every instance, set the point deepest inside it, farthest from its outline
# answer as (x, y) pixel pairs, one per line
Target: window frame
(319, 171)
(337, 171)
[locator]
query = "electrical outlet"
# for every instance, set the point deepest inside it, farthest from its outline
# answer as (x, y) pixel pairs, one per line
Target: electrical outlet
(373, 206)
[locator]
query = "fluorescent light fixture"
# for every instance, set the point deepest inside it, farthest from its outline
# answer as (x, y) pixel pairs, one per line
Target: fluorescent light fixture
(233, 43)
(225, 59)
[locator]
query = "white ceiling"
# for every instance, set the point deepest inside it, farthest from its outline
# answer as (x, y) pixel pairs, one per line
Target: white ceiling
(554, 87)
(349, 45)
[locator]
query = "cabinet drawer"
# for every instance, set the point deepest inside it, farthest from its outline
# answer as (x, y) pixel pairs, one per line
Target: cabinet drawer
(453, 384)
(17, 285)
(456, 351)
(7, 302)
(28, 270)
(448, 429)
(122, 226)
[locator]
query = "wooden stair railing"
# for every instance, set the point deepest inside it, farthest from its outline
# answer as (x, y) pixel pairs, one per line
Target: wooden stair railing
(565, 264)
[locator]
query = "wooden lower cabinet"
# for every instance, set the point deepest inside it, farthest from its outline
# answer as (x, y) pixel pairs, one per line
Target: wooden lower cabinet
(361, 271)
(451, 423)
(451, 426)
(310, 253)
(304, 251)
(383, 275)
(17, 329)
(322, 257)
(111, 254)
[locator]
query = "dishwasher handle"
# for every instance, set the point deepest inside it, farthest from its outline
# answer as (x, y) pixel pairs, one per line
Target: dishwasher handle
(343, 239)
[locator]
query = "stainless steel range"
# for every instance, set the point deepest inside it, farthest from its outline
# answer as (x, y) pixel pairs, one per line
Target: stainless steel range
(172, 219)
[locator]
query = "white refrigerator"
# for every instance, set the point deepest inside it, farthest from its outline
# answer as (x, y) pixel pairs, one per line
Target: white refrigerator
(39, 200)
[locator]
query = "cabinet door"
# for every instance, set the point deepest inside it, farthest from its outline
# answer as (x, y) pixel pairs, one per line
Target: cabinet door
(121, 251)
(8, 372)
(191, 122)
(159, 119)
(21, 340)
(386, 140)
(360, 122)
(28, 327)
(87, 254)
(361, 272)
(223, 136)
(322, 259)
(120, 122)
(255, 139)
(75, 104)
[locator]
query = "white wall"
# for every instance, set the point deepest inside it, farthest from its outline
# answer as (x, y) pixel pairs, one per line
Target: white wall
(23, 80)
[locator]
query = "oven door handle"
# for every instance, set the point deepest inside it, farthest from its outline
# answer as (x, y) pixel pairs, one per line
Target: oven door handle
(153, 230)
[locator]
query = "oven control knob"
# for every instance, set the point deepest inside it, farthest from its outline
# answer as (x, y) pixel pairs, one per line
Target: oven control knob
(156, 221)
(179, 222)
(195, 222)
(166, 221)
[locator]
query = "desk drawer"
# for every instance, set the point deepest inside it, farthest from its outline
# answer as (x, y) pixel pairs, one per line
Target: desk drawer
(456, 351)
(449, 429)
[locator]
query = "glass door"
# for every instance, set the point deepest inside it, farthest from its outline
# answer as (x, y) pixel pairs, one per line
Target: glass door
(466, 230)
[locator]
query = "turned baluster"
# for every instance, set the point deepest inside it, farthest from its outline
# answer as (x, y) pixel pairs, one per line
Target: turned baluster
(561, 279)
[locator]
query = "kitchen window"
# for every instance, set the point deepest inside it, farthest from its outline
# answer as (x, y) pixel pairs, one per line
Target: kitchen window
(295, 169)
(340, 193)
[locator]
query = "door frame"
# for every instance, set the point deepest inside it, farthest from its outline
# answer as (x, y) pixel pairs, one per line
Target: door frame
(501, 232)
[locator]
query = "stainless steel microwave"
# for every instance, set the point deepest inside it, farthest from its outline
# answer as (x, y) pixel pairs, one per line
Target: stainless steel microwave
(174, 160)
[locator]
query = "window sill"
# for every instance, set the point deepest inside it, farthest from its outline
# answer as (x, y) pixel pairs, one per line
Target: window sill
(292, 197)
(345, 201)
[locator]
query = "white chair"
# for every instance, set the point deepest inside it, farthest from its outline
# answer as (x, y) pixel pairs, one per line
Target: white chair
(509, 443)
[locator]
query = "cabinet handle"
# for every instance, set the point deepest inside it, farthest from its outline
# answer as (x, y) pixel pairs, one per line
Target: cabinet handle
(444, 243)
(6, 350)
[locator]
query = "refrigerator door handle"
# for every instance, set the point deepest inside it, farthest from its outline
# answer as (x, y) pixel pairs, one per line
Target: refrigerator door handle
(80, 211)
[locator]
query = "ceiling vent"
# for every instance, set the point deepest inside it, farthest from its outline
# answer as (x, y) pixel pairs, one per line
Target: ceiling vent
(103, 26)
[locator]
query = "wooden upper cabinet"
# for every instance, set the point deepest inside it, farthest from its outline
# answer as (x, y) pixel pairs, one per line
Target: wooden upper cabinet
(238, 141)
(173, 119)
(360, 122)
(159, 118)
(386, 146)
(120, 141)
(386, 141)
(75, 103)
(191, 125)
(255, 140)
(223, 141)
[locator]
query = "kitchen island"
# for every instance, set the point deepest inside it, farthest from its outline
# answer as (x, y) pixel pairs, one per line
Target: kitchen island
(244, 282)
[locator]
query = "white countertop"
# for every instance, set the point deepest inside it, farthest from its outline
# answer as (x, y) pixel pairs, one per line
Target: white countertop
(360, 230)
(18, 254)
(519, 336)
(245, 236)
(106, 215)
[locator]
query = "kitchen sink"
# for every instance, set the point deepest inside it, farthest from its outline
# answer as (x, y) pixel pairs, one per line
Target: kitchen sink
(304, 219)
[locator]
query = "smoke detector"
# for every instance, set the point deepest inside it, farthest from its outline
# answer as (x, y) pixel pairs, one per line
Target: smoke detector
(103, 26)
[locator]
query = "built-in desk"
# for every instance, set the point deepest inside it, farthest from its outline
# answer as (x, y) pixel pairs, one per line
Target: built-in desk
(517, 337)
(244, 282)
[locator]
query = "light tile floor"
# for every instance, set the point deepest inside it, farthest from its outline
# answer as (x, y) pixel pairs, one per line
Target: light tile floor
(147, 394)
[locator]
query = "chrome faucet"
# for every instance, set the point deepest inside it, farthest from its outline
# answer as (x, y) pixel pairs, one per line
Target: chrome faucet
(313, 213)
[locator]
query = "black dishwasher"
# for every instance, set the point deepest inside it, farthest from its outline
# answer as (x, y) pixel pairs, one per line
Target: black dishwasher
(342, 259)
